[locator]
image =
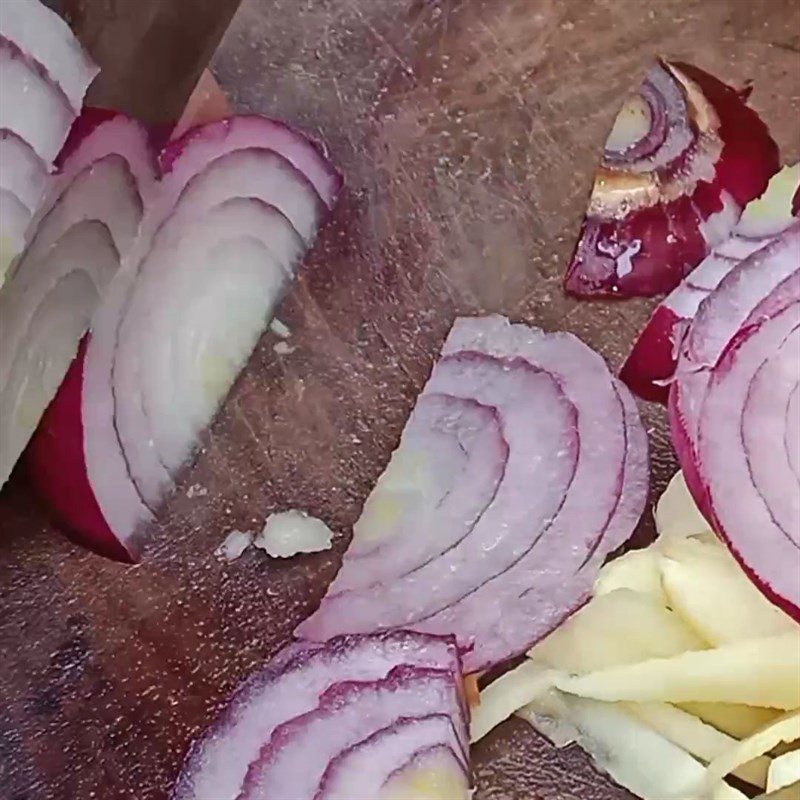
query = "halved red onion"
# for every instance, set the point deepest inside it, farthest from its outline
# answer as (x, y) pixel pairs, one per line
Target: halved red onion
(76, 244)
(523, 464)
(684, 157)
(651, 362)
(290, 686)
(386, 763)
(220, 233)
(44, 37)
(294, 762)
(732, 411)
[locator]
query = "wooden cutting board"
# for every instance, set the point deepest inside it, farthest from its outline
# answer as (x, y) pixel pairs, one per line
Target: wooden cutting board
(468, 132)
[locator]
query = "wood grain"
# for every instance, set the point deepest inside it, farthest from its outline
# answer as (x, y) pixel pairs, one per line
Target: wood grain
(468, 132)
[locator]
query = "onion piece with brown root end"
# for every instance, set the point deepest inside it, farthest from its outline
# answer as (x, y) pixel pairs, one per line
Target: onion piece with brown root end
(225, 228)
(313, 685)
(685, 156)
(521, 467)
(651, 363)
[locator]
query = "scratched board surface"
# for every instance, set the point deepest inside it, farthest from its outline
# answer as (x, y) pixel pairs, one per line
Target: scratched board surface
(467, 132)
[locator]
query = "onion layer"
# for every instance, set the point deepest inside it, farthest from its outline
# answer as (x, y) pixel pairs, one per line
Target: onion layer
(734, 414)
(651, 362)
(224, 229)
(685, 156)
(522, 466)
(44, 75)
(310, 688)
(87, 222)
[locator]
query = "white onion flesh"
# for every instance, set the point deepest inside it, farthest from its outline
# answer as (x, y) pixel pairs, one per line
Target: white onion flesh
(76, 243)
(45, 37)
(45, 310)
(14, 221)
(30, 107)
(22, 172)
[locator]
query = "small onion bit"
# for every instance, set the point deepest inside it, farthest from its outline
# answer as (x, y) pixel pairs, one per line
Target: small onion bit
(523, 464)
(735, 417)
(650, 365)
(684, 157)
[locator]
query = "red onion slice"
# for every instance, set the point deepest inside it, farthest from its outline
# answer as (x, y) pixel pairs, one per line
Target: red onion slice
(165, 347)
(651, 362)
(45, 311)
(45, 37)
(76, 244)
(23, 174)
(566, 445)
(257, 173)
(685, 155)
(348, 713)
(97, 133)
(189, 155)
(14, 221)
(745, 453)
(242, 253)
(30, 106)
(428, 743)
(289, 687)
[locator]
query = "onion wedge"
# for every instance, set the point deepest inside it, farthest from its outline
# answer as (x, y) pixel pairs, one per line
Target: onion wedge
(224, 228)
(651, 363)
(452, 539)
(685, 156)
(290, 687)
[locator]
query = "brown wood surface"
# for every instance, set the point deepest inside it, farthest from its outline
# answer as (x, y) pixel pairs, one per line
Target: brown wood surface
(468, 132)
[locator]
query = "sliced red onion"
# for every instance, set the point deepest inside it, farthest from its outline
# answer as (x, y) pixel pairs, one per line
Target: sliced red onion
(289, 687)
(30, 106)
(14, 221)
(187, 156)
(685, 155)
(417, 744)
(651, 362)
(100, 132)
(552, 475)
(23, 174)
(220, 232)
(45, 311)
(242, 253)
(43, 36)
(294, 762)
(746, 453)
(735, 394)
(76, 245)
